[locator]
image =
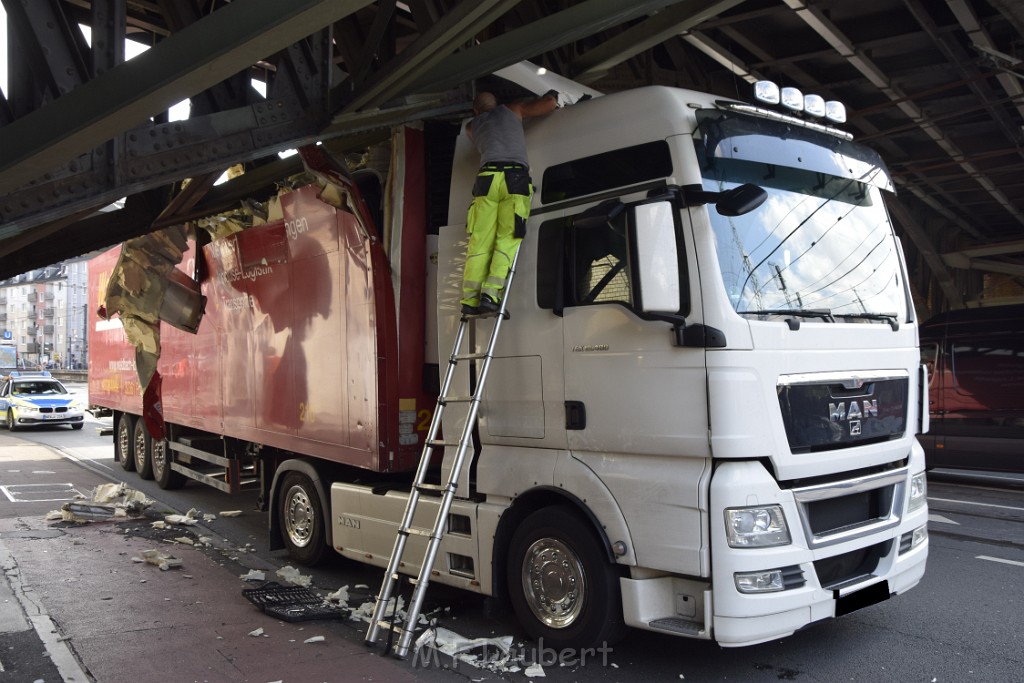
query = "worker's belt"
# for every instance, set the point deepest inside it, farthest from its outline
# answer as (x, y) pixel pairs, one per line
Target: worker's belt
(502, 166)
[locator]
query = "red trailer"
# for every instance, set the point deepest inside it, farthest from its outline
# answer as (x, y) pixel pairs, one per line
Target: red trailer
(297, 357)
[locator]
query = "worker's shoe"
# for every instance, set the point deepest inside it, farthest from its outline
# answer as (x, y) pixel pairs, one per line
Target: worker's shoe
(470, 310)
(488, 305)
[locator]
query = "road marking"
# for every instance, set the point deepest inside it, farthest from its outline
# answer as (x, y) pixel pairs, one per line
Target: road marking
(25, 493)
(969, 502)
(999, 559)
(940, 518)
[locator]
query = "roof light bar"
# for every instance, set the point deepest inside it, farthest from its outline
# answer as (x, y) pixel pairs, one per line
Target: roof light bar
(769, 92)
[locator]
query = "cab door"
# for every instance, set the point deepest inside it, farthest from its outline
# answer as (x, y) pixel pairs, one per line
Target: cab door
(636, 401)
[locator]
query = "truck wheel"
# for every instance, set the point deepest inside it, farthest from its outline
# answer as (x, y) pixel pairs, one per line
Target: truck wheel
(143, 450)
(124, 446)
(10, 421)
(560, 582)
(301, 518)
(166, 478)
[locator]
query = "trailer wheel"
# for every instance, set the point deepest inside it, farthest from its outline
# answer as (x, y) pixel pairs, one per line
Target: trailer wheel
(124, 445)
(143, 450)
(301, 516)
(165, 477)
(560, 582)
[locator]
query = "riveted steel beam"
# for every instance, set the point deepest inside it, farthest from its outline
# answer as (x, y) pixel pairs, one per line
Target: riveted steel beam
(190, 61)
(549, 33)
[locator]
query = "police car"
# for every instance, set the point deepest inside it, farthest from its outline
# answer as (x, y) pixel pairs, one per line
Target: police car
(35, 398)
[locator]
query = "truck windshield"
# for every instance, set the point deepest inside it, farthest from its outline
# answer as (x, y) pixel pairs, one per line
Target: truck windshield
(821, 246)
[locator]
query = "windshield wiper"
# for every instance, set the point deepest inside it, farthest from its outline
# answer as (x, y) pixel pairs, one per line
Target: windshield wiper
(823, 313)
(794, 324)
(887, 317)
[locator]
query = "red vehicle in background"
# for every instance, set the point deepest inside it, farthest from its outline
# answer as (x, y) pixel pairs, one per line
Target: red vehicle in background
(975, 359)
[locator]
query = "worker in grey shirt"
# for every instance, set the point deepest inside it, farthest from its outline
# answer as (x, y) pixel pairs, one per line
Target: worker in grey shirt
(501, 196)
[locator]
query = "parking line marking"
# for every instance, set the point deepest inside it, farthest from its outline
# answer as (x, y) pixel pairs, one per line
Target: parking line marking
(999, 559)
(970, 502)
(20, 493)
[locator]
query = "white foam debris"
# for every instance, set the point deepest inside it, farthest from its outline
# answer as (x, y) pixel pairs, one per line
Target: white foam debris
(535, 671)
(209, 517)
(314, 639)
(340, 595)
(254, 575)
(185, 540)
(292, 575)
(231, 513)
(257, 633)
(158, 558)
(187, 519)
(495, 652)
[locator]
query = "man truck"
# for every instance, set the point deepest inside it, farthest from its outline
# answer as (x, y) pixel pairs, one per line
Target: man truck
(700, 417)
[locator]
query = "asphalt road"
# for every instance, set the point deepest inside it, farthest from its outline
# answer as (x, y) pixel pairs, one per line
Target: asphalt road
(964, 622)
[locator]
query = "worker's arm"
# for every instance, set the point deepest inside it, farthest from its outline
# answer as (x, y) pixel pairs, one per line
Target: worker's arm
(538, 107)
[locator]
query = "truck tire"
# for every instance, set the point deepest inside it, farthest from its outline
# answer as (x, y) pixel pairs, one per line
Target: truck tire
(165, 477)
(143, 449)
(301, 519)
(124, 445)
(561, 584)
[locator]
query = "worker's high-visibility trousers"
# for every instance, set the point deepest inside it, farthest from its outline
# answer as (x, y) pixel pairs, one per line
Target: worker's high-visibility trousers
(496, 225)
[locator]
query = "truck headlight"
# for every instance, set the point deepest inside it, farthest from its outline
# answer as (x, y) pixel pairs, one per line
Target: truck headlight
(756, 527)
(918, 492)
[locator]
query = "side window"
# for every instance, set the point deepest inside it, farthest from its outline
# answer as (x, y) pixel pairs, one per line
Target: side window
(590, 262)
(600, 260)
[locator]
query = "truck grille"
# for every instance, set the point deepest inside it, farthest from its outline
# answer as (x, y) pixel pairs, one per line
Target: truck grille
(839, 511)
(826, 411)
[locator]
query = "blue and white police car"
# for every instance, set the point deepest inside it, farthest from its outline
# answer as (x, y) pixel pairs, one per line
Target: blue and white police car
(29, 399)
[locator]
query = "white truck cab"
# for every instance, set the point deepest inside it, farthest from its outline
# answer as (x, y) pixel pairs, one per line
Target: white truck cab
(701, 416)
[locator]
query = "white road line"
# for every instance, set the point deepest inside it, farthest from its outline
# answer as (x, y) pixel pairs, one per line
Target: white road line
(969, 502)
(939, 518)
(999, 559)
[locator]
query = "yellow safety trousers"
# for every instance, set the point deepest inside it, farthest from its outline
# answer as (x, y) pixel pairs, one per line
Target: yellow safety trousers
(496, 226)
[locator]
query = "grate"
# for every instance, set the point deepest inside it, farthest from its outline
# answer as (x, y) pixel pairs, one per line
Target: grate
(292, 603)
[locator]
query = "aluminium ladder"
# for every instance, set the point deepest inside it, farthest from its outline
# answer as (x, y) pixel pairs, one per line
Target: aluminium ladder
(378, 622)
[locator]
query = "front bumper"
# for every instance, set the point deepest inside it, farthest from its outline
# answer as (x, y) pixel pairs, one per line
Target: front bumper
(45, 419)
(827, 574)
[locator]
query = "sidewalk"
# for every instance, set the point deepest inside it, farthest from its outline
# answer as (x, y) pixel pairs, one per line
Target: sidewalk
(74, 606)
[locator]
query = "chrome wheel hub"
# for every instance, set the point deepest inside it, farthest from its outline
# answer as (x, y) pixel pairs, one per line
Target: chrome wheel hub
(298, 517)
(553, 582)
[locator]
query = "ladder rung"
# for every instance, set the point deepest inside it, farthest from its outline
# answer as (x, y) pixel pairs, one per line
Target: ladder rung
(442, 442)
(433, 487)
(414, 531)
(445, 400)
(388, 626)
(471, 356)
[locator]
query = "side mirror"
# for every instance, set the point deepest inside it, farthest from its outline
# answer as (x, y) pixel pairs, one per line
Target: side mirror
(735, 202)
(657, 257)
(740, 200)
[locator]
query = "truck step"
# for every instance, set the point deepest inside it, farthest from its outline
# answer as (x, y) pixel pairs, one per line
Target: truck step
(677, 625)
